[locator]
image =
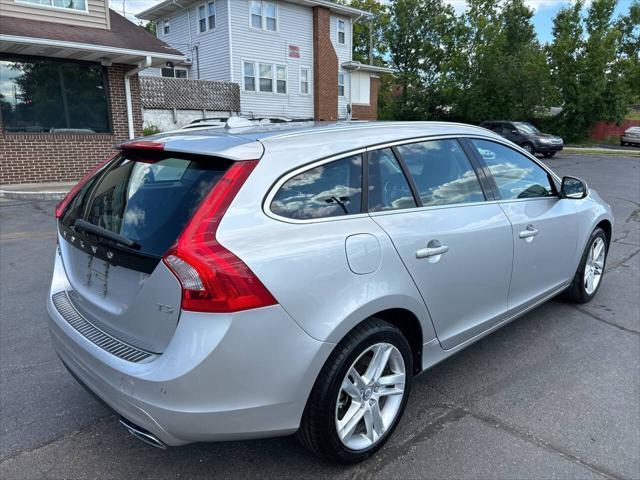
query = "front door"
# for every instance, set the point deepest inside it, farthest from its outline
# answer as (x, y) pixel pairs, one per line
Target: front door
(544, 225)
(456, 245)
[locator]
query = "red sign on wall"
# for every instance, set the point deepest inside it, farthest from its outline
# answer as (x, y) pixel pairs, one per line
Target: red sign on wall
(294, 51)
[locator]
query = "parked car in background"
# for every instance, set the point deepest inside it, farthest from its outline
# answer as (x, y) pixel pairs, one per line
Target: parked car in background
(631, 136)
(526, 136)
(264, 280)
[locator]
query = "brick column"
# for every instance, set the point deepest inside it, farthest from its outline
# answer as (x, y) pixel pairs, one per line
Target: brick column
(325, 68)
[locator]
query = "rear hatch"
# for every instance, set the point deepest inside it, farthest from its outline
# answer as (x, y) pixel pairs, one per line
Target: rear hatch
(115, 231)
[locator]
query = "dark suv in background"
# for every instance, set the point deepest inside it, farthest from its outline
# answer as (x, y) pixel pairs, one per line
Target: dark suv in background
(527, 136)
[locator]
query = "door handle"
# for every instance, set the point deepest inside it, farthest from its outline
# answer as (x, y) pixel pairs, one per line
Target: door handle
(432, 251)
(529, 232)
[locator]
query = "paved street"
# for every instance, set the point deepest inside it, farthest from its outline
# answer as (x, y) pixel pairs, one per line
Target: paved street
(555, 394)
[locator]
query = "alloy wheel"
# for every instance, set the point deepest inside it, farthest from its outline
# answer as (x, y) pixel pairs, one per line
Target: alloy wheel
(528, 148)
(594, 266)
(370, 396)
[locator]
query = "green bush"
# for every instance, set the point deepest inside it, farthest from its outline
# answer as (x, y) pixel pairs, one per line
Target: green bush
(150, 129)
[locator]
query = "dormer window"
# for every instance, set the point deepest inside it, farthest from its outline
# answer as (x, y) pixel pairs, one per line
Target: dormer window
(264, 15)
(80, 5)
(342, 35)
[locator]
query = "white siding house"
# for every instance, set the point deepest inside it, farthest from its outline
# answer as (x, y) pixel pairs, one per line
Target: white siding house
(265, 46)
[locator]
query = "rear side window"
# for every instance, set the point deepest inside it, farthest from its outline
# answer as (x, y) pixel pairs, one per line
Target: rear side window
(442, 172)
(515, 175)
(330, 190)
(388, 187)
(147, 201)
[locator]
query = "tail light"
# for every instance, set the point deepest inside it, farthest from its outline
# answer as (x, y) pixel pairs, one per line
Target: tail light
(62, 205)
(212, 278)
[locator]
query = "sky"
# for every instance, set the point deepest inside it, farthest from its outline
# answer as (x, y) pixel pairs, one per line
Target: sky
(543, 18)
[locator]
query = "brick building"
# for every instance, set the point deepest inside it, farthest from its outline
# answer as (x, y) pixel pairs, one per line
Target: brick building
(69, 87)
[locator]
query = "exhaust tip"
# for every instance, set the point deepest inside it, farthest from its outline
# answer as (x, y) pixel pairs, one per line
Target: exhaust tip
(142, 434)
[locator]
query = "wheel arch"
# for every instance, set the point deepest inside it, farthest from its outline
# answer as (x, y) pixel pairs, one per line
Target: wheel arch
(606, 226)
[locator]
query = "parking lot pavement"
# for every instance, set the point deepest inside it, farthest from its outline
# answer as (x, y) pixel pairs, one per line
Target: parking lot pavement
(555, 394)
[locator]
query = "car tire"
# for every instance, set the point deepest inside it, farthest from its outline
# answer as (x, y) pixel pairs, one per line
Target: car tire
(549, 155)
(328, 400)
(578, 291)
(529, 148)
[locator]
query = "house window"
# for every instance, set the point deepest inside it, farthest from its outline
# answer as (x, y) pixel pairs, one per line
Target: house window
(341, 84)
(341, 32)
(264, 15)
(249, 77)
(169, 72)
(202, 19)
(304, 81)
(45, 95)
(165, 26)
(80, 5)
(266, 77)
(281, 79)
(211, 15)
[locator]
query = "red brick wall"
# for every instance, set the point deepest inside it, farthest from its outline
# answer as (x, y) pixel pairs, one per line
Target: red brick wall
(603, 130)
(52, 157)
(368, 112)
(325, 67)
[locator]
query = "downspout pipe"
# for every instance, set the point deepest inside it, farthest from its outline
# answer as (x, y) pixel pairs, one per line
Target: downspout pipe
(127, 91)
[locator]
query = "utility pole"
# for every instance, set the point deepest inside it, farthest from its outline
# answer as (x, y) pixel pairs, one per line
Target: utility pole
(371, 41)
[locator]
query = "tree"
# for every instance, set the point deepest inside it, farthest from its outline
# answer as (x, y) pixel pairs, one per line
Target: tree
(363, 34)
(629, 51)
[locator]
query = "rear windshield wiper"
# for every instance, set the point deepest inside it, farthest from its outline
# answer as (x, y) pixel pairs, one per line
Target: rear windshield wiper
(104, 233)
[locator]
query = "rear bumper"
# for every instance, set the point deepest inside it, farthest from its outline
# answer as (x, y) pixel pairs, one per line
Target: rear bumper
(222, 377)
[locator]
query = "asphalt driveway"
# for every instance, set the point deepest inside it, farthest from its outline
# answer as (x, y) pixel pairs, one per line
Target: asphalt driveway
(555, 394)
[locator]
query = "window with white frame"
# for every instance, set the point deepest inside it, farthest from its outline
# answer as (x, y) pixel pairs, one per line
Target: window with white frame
(175, 72)
(341, 84)
(80, 5)
(264, 77)
(249, 75)
(264, 15)
(304, 80)
(207, 16)
(341, 29)
(165, 26)
(211, 14)
(265, 71)
(202, 19)
(281, 79)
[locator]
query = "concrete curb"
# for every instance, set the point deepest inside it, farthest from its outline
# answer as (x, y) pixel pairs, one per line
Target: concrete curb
(32, 195)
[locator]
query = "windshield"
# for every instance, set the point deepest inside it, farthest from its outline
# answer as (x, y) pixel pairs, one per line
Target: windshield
(146, 201)
(526, 128)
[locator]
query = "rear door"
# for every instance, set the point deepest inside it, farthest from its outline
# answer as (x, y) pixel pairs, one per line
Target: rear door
(456, 243)
(148, 198)
(544, 226)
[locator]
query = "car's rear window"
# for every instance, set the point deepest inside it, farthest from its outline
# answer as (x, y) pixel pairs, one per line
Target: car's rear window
(146, 199)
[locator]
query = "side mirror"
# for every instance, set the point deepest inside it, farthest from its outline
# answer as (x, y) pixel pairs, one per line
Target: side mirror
(573, 188)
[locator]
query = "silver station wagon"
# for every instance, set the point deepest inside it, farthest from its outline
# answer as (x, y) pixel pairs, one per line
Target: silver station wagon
(259, 280)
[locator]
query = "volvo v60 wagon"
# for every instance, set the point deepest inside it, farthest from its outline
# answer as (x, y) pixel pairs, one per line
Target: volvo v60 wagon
(235, 283)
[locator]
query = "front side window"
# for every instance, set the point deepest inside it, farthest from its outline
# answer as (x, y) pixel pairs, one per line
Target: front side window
(165, 26)
(341, 32)
(266, 77)
(202, 19)
(211, 15)
(330, 190)
(281, 79)
(442, 173)
(341, 84)
(515, 175)
(388, 187)
(304, 81)
(80, 5)
(43, 95)
(249, 77)
(264, 15)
